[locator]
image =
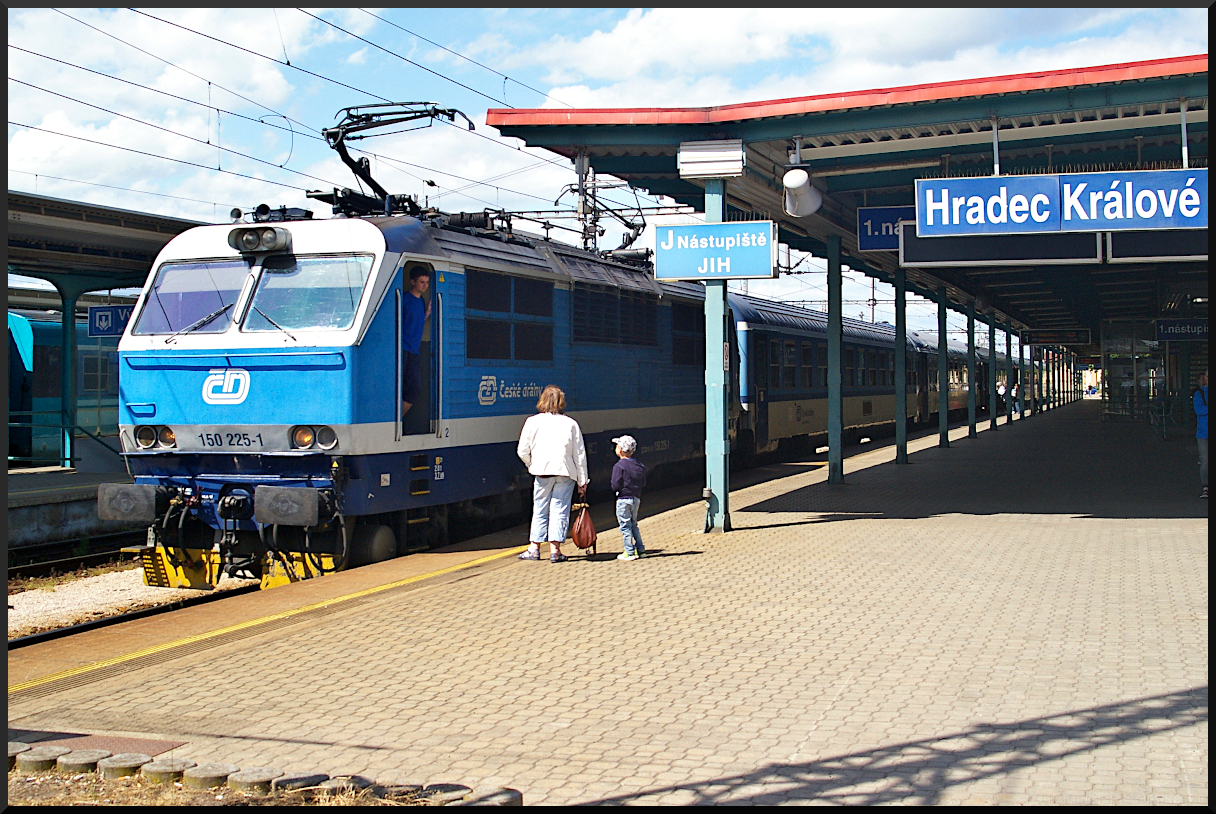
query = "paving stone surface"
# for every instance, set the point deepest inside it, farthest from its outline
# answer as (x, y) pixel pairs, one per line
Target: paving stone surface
(1019, 619)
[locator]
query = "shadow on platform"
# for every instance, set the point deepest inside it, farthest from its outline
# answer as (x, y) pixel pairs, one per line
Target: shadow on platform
(918, 772)
(1063, 462)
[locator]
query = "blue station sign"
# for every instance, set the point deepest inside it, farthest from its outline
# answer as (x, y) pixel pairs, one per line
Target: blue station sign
(737, 250)
(108, 320)
(1083, 202)
(878, 226)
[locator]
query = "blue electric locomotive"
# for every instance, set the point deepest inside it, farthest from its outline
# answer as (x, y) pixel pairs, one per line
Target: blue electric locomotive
(262, 375)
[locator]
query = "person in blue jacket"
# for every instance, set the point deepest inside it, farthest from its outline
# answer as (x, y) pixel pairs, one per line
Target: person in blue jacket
(417, 310)
(628, 481)
(1201, 430)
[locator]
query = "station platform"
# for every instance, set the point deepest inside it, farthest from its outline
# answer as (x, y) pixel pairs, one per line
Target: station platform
(51, 504)
(1018, 619)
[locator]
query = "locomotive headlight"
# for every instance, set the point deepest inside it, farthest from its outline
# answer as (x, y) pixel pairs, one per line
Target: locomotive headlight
(259, 239)
(145, 436)
(166, 437)
(302, 437)
(326, 438)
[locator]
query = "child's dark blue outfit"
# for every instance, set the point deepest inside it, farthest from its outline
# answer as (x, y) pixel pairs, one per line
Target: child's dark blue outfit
(628, 480)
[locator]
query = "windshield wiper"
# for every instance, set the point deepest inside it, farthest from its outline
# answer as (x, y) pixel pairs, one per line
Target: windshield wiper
(275, 324)
(200, 323)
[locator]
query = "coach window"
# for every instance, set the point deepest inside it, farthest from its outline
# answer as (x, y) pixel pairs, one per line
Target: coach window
(508, 317)
(687, 335)
(808, 365)
(821, 356)
(789, 366)
(849, 363)
(882, 368)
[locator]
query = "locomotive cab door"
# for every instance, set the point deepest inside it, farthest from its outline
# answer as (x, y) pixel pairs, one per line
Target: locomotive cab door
(419, 419)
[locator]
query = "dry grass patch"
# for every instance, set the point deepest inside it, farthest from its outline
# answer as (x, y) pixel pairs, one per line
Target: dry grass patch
(54, 789)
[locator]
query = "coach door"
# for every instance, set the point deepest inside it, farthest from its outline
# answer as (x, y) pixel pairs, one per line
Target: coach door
(761, 377)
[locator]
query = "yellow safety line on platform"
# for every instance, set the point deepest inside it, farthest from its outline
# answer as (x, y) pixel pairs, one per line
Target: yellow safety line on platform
(147, 651)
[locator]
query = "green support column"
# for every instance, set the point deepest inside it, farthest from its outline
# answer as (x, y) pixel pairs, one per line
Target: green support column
(835, 389)
(901, 368)
(717, 414)
(992, 373)
(67, 376)
(943, 373)
(971, 431)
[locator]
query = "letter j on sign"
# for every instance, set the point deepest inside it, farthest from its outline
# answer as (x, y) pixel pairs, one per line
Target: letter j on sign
(737, 250)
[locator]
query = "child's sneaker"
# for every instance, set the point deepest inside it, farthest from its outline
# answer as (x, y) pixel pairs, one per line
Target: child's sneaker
(625, 555)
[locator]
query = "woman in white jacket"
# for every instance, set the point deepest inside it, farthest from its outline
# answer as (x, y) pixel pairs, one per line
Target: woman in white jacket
(551, 446)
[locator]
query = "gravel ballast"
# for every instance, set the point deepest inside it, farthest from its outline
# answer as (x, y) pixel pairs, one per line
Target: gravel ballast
(90, 598)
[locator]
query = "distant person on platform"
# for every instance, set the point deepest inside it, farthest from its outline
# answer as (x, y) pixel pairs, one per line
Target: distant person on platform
(1000, 397)
(1201, 430)
(417, 310)
(1017, 402)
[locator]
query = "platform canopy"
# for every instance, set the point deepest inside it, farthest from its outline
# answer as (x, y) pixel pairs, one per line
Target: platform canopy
(867, 148)
(81, 246)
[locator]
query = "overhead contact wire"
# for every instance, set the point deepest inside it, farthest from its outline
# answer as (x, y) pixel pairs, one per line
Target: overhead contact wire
(154, 155)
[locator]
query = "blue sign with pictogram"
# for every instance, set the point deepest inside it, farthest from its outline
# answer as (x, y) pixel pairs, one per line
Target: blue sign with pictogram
(108, 320)
(878, 227)
(736, 250)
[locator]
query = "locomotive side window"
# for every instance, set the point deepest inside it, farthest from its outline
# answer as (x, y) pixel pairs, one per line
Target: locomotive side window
(488, 339)
(192, 296)
(302, 293)
(488, 292)
(687, 335)
(508, 317)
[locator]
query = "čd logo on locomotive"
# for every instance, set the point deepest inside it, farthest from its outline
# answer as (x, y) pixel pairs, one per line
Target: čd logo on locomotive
(226, 386)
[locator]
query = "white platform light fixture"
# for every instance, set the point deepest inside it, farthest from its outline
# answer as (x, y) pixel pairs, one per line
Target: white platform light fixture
(801, 196)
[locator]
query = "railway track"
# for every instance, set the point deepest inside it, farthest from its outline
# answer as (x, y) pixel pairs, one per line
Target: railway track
(65, 556)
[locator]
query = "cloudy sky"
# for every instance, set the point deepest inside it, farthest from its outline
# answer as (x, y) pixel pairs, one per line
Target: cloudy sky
(193, 112)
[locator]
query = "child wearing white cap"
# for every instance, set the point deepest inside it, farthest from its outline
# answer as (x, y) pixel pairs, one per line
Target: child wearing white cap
(628, 480)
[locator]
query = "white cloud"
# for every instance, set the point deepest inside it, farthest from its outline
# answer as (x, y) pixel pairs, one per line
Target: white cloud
(358, 57)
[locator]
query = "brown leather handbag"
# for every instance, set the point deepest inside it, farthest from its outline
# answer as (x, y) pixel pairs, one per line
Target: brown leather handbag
(582, 531)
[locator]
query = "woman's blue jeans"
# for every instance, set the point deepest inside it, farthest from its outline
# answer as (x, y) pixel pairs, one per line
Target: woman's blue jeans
(551, 498)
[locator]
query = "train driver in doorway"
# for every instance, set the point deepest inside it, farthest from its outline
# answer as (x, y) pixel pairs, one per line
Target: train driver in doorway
(417, 310)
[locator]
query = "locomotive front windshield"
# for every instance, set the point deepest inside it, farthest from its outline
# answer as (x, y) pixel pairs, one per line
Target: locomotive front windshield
(302, 293)
(199, 293)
